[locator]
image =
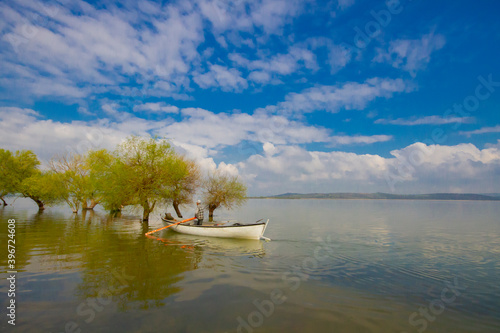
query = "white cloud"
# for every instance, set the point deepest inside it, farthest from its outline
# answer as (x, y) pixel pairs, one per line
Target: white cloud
(344, 4)
(245, 15)
(200, 133)
(85, 111)
(428, 120)
(411, 55)
(338, 55)
(294, 169)
(483, 130)
(265, 68)
(349, 96)
(417, 168)
(272, 15)
(259, 77)
(55, 52)
(219, 76)
(159, 107)
(278, 164)
(217, 130)
(27, 129)
(97, 49)
(269, 148)
(359, 139)
(441, 168)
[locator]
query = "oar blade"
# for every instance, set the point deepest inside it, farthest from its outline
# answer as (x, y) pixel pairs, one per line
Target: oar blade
(168, 226)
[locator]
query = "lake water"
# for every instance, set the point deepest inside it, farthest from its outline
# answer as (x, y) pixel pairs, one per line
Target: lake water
(332, 266)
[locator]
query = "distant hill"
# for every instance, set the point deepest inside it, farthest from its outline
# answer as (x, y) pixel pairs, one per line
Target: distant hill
(431, 196)
(492, 194)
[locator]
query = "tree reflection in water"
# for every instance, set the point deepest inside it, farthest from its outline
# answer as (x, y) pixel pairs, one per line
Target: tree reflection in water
(100, 248)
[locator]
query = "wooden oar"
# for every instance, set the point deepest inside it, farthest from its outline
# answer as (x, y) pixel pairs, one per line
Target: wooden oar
(168, 226)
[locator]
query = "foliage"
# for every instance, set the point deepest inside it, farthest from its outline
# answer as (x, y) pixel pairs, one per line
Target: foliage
(108, 176)
(15, 168)
(186, 179)
(20, 174)
(223, 190)
(44, 188)
(149, 165)
(6, 182)
(141, 172)
(75, 178)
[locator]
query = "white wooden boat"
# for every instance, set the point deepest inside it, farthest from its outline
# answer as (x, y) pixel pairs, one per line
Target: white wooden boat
(227, 230)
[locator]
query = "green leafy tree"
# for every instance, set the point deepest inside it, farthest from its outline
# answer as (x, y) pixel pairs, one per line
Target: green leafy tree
(223, 190)
(92, 197)
(21, 174)
(6, 175)
(75, 177)
(109, 180)
(186, 179)
(149, 166)
(139, 172)
(44, 187)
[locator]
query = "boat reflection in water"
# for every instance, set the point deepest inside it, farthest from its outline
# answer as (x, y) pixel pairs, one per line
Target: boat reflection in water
(224, 246)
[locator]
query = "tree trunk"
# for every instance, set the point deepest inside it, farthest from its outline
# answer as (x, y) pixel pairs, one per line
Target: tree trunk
(177, 211)
(147, 210)
(76, 207)
(39, 203)
(4, 203)
(145, 213)
(93, 203)
(115, 212)
(211, 209)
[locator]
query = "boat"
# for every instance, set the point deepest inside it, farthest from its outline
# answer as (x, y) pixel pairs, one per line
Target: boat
(222, 230)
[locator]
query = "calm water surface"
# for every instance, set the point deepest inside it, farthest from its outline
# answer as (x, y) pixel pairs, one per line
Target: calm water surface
(332, 266)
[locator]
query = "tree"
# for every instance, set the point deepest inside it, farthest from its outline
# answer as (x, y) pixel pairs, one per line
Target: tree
(75, 177)
(223, 190)
(108, 177)
(138, 172)
(15, 168)
(6, 181)
(20, 174)
(186, 179)
(148, 164)
(44, 187)
(92, 197)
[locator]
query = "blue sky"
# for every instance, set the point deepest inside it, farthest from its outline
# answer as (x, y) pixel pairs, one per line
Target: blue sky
(294, 96)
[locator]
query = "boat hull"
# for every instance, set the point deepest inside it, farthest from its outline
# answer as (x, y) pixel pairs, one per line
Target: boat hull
(249, 231)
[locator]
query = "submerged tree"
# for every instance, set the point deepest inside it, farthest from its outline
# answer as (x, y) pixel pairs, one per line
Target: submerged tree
(44, 188)
(139, 172)
(186, 180)
(223, 190)
(78, 180)
(20, 174)
(72, 177)
(149, 164)
(108, 176)
(5, 175)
